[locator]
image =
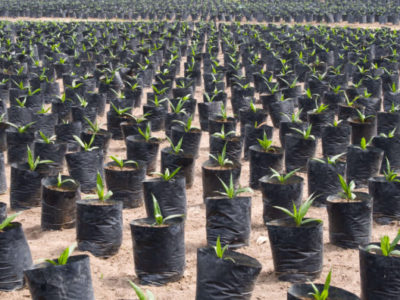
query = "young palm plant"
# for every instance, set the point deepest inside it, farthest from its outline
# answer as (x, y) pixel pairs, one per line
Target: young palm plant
(386, 248)
(230, 191)
(63, 259)
(221, 159)
(158, 217)
(167, 175)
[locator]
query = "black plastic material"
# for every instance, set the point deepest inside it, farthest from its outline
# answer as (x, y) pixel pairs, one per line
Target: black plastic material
(230, 219)
(3, 211)
(207, 110)
(3, 177)
(360, 130)
(58, 204)
(323, 180)
(55, 152)
(65, 133)
(286, 127)
(363, 164)
(171, 161)
(387, 121)
(15, 257)
(261, 163)
(252, 134)
(300, 291)
(158, 251)
(114, 124)
(297, 251)
(319, 120)
(72, 281)
(171, 196)
(190, 140)
(379, 275)
(335, 140)
(3, 136)
(225, 279)
(279, 109)
(138, 149)
(17, 146)
(233, 147)
(126, 183)
(391, 150)
(386, 198)
(99, 227)
(25, 185)
(215, 124)
(297, 151)
(212, 172)
(102, 139)
(83, 167)
(350, 222)
(278, 194)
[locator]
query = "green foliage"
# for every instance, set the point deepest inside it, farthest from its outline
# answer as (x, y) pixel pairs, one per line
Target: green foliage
(265, 143)
(298, 215)
(121, 163)
(100, 189)
(347, 189)
(63, 259)
(61, 182)
(306, 134)
(325, 292)
(7, 222)
(158, 217)
(34, 163)
(222, 134)
(166, 176)
(283, 178)
(149, 295)
(220, 251)
(221, 158)
(147, 134)
(230, 190)
(84, 145)
(386, 248)
(176, 148)
(47, 140)
(390, 174)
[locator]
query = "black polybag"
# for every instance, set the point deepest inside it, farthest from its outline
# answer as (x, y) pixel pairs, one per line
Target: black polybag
(386, 199)
(350, 222)
(335, 139)
(159, 251)
(170, 194)
(171, 161)
(297, 151)
(15, 257)
(83, 167)
(99, 227)
(297, 251)
(261, 163)
(71, 281)
(3, 178)
(225, 279)
(283, 195)
(212, 174)
(58, 205)
(233, 147)
(301, 291)
(55, 152)
(25, 185)
(126, 184)
(391, 150)
(363, 164)
(229, 219)
(379, 275)
(3, 211)
(138, 149)
(323, 180)
(190, 140)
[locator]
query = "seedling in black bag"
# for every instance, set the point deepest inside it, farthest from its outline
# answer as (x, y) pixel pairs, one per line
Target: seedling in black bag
(299, 214)
(63, 259)
(94, 127)
(386, 248)
(7, 222)
(347, 189)
(121, 163)
(34, 163)
(158, 217)
(167, 175)
(221, 158)
(363, 118)
(330, 160)
(147, 134)
(61, 182)
(230, 190)
(283, 178)
(219, 251)
(149, 295)
(364, 144)
(317, 295)
(21, 128)
(188, 125)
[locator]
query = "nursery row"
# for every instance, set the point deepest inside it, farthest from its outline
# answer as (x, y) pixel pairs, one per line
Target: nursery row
(337, 85)
(262, 11)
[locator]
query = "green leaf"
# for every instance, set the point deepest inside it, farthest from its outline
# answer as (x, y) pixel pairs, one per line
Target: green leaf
(8, 220)
(138, 291)
(157, 211)
(62, 260)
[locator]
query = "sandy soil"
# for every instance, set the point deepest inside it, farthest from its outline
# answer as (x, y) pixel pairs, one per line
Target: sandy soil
(110, 275)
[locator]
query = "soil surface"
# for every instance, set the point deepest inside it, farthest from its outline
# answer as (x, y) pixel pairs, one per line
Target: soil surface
(110, 276)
